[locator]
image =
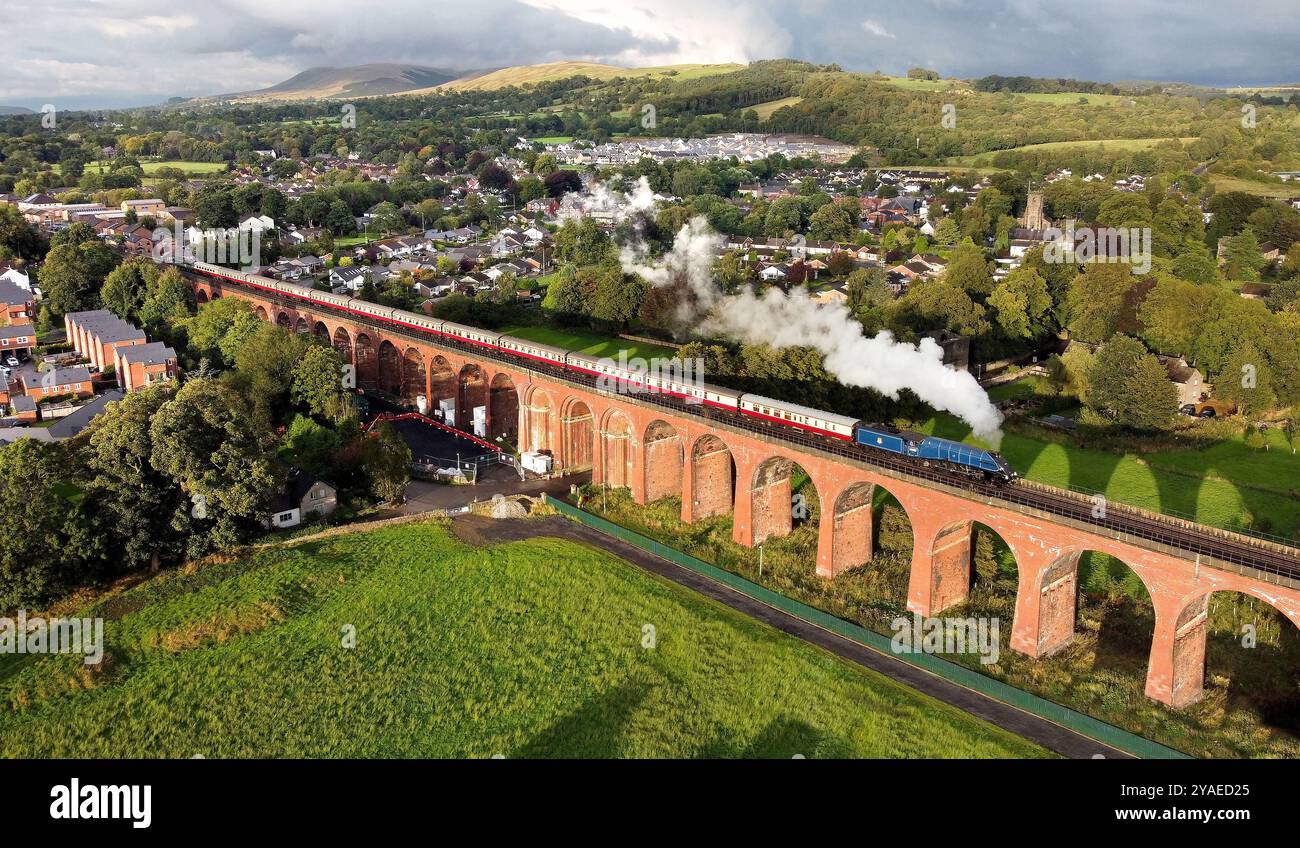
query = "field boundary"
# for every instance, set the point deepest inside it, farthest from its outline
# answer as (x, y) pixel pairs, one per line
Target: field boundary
(997, 690)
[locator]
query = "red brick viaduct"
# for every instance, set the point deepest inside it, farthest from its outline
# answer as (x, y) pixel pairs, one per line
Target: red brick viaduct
(717, 469)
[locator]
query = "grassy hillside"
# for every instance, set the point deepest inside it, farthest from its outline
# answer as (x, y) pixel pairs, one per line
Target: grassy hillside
(1110, 144)
(530, 649)
(526, 74)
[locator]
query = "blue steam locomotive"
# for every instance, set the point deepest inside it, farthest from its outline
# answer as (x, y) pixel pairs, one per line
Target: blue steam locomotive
(930, 450)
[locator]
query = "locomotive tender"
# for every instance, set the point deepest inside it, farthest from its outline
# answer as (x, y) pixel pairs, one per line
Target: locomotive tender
(925, 451)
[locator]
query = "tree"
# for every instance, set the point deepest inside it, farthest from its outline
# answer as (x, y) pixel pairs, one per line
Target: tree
(1242, 258)
(265, 365)
(387, 462)
(36, 561)
(126, 287)
(559, 183)
(1098, 302)
(143, 511)
(205, 439)
(339, 219)
(832, 222)
(386, 218)
(1129, 386)
(318, 383)
(969, 271)
(1247, 380)
(72, 275)
(1021, 303)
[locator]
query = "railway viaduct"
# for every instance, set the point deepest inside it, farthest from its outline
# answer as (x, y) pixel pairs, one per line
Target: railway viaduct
(716, 468)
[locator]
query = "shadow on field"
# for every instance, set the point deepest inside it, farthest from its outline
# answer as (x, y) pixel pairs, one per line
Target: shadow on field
(782, 738)
(596, 729)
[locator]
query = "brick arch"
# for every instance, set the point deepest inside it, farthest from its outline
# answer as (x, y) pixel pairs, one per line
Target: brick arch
(413, 376)
(321, 331)
(503, 400)
(711, 478)
(366, 359)
(577, 434)
(1056, 590)
(442, 386)
(852, 526)
(951, 554)
(342, 341)
(282, 320)
(665, 459)
(201, 296)
(261, 313)
(301, 326)
(472, 392)
(617, 450)
(540, 431)
(390, 368)
(1190, 635)
(771, 498)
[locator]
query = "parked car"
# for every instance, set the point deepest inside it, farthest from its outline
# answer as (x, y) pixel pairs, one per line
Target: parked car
(11, 361)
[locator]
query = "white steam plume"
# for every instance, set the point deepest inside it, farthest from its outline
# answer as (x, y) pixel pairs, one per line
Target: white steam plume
(787, 320)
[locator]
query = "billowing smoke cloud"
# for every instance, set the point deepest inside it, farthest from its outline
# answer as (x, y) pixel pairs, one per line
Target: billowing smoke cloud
(775, 318)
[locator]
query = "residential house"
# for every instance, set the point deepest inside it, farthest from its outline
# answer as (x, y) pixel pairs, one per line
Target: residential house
(58, 381)
(304, 498)
(140, 366)
(17, 340)
(17, 303)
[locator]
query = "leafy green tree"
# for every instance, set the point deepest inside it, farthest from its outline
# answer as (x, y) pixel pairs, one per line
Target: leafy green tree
(318, 383)
(126, 287)
(1242, 258)
(142, 510)
(1129, 386)
(1098, 302)
(1021, 303)
(1247, 381)
(37, 562)
(206, 440)
(73, 274)
(969, 271)
(387, 462)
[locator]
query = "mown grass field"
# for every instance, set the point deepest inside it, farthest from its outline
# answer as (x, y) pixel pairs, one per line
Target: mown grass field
(589, 343)
(529, 649)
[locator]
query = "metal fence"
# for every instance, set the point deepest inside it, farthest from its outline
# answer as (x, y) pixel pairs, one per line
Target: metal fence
(1087, 725)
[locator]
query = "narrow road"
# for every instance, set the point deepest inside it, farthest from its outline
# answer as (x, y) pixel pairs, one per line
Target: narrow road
(477, 530)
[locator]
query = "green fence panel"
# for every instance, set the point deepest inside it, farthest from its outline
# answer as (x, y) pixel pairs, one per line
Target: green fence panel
(1087, 725)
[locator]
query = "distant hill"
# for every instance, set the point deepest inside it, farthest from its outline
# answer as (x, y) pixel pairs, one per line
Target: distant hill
(15, 110)
(343, 83)
(524, 74)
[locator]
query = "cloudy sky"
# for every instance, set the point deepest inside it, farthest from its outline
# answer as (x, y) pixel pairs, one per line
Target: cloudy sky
(87, 53)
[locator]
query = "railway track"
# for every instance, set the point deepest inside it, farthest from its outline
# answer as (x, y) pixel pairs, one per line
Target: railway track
(1196, 540)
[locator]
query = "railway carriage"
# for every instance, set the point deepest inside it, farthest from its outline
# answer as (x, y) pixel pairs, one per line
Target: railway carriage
(473, 335)
(802, 417)
(533, 350)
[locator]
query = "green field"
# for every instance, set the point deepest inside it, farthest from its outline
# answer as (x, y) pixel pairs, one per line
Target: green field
(1281, 190)
(589, 343)
(552, 139)
(765, 110)
(925, 85)
(1109, 144)
(529, 649)
(1076, 98)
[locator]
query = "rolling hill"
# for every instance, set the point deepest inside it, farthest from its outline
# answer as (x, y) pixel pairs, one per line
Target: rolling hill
(355, 81)
(525, 74)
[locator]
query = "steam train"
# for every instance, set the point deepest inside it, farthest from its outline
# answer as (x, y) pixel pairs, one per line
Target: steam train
(918, 449)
